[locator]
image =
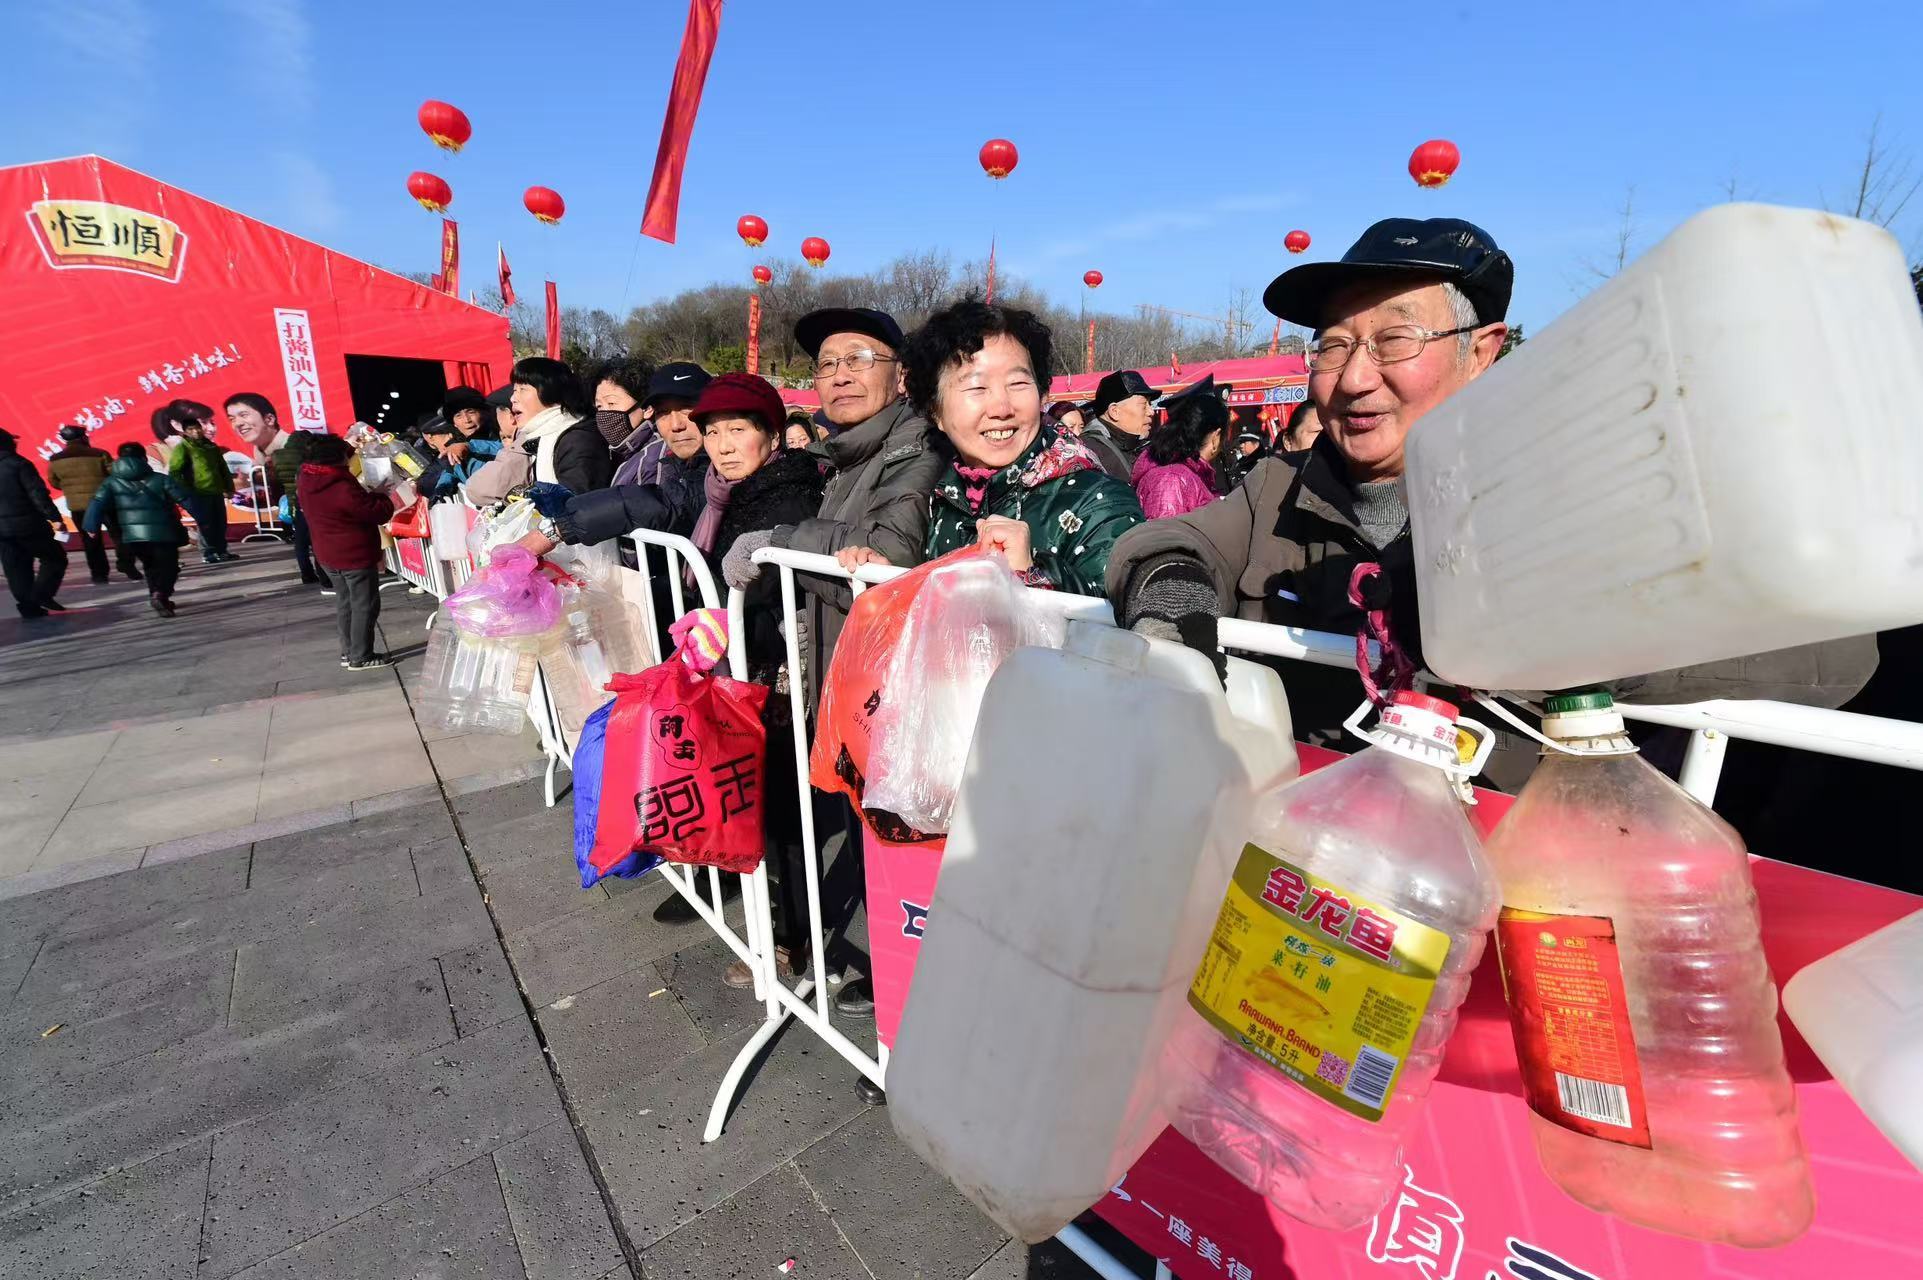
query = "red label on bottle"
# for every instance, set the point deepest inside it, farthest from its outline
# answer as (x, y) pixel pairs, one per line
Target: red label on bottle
(1570, 1013)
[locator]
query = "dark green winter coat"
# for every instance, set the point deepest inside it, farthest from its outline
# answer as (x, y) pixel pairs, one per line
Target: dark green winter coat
(1073, 509)
(201, 466)
(142, 499)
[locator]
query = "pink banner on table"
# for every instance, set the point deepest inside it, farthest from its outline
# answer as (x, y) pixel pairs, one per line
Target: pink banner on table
(1475, 1203)
(413, 553)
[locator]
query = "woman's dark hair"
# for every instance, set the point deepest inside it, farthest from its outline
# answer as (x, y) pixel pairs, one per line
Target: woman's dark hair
(1295, 414)
(253, 400)
(1188, 427)
(168, 417)
(554, 383)
(163, 424)
(130, 449)
(956, 334)
(328, 450)
(630, 373)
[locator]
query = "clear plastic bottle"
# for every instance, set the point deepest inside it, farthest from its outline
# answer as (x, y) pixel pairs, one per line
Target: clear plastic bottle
(1644, 1012)
(1319, 1013)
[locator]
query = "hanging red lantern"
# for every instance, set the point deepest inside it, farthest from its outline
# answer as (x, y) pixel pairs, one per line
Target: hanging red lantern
(433, 193)
(815, 250)
(752, 230)
(999, 157)
(544, 203)
(1434, 162)
(763, 275)
(1296, 241)
(1093, 279)
(445, 123)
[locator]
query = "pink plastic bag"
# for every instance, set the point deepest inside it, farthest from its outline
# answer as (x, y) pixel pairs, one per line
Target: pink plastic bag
(510, 597)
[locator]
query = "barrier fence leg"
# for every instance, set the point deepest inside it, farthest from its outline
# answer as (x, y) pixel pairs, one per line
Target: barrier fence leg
(1105, 1264)
(1703, 764)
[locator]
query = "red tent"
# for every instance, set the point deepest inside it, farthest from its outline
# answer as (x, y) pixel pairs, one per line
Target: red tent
(123, 293)
(1256, 381)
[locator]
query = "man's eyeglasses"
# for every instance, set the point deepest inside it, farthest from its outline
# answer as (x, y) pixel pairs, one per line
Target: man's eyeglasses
(858, 361)
(1389, 346)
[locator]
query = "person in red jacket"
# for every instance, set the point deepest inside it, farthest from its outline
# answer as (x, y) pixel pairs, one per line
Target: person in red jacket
(344, 522)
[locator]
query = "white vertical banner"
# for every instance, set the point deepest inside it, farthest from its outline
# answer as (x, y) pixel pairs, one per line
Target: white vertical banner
(304, 409)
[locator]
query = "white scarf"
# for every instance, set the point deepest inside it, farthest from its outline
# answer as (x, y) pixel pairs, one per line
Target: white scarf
(541, 431)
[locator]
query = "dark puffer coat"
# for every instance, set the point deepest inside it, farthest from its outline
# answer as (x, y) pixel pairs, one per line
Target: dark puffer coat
(787, 490)
(142, 500)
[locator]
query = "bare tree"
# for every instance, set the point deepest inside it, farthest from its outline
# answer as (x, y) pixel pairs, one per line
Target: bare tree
(1885, 182)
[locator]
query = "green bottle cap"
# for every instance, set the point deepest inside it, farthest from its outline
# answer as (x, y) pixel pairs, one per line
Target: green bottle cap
(1567, 704)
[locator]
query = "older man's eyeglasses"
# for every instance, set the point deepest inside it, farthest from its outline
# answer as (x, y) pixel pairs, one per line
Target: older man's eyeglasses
(1388, 346)
(858, 361)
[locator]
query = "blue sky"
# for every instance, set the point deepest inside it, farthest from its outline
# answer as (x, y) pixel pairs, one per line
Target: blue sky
(1169, 145)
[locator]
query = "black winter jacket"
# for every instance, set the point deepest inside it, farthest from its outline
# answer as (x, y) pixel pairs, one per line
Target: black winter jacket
(787, 490)
(143, 502)
(26, 508)
(671, 506)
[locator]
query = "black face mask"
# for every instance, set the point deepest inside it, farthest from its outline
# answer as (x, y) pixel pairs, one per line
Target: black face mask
(614, 424)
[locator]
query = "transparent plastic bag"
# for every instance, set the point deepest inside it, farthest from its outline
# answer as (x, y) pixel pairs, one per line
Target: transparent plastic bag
(468, 683)
(510, 597)
(597, 638)
(511, 523)
(966, 619)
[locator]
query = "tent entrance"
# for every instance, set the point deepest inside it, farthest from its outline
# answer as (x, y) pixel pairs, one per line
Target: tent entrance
(392, 392)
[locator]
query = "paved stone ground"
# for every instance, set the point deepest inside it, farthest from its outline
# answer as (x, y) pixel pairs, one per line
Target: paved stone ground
(291, 989)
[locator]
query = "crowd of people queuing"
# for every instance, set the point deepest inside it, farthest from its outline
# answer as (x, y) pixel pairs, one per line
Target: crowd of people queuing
(924, 443)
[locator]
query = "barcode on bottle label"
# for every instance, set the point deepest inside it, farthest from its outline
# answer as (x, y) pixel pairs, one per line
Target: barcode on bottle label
(1369, 1082)
(1594, 1100)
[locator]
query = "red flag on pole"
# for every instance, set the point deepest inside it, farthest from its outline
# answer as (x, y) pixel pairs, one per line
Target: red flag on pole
(450, 276)
(554, 323)
(1275, 342)
(677, 126)
(1088, 353)
(507, 276)
(991, 271)
(754, 333)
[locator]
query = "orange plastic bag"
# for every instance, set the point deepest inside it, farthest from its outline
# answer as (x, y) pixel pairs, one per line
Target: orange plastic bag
(855, 690)
(410, 523)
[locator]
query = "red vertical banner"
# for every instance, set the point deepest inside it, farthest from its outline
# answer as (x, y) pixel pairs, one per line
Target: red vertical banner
(1088, 352)
(507, 277)
(754, 333)
(450, 277)
(677, 126)
(990, 299)
(1275, 341)
(554, 323)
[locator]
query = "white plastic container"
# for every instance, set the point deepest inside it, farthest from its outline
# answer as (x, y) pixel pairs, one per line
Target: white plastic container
(447, 527)
(1077, 893)
(1862, 1012)
(1714, 454)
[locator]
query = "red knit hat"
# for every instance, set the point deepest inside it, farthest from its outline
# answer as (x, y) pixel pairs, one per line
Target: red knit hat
(743, 393)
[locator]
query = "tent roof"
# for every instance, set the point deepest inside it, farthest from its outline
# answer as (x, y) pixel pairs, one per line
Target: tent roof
(1256, 371)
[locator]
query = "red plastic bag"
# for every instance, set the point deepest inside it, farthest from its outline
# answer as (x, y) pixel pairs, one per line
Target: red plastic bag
(856, 688)
(682, 769)
(410, 522)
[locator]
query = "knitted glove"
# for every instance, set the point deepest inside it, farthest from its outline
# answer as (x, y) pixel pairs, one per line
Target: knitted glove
(702, 637)
(1171, 598)
(738, 568)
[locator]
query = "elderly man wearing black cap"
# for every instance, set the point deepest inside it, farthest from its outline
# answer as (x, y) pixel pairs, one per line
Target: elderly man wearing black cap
(1410, 314)
(1118, 422)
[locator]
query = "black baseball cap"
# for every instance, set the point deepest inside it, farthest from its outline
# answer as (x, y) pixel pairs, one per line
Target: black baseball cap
(682, 379)
(1446, 249)
(1119, 385)
(1206, 387)
(817, 327)
(501, 397)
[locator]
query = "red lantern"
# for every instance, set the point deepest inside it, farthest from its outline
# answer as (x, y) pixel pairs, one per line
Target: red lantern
(1296, 241)
(815, 250)
(1434, 162)
(445, 123)
(999, 157)
(752, 230)
(763, 275)
(433, 194)
(1093, 279)
(545, 204)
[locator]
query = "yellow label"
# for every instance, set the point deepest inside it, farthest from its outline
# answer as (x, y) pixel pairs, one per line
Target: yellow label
(1325, 986)
(91, 233)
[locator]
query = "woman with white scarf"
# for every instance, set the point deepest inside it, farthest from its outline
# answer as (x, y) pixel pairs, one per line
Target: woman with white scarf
(557, 427)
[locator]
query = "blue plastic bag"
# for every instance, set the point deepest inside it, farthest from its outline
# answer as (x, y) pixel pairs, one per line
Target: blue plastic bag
(587, 805)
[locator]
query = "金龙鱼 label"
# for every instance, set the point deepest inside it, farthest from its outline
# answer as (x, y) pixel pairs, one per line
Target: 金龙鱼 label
(1325, 986)
(1570, 1012)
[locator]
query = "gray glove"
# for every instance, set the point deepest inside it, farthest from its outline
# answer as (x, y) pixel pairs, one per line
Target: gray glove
(1171, 598)
(738, 568)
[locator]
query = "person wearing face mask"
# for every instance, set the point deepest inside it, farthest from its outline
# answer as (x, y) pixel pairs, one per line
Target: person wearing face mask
(671, 496)
(1117, 422)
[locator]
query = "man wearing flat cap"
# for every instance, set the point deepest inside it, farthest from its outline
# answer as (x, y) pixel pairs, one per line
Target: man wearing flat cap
(1118, 422)
(1412, 312)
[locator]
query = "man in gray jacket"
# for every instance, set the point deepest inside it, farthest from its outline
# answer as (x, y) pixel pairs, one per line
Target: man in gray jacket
(1116, 425)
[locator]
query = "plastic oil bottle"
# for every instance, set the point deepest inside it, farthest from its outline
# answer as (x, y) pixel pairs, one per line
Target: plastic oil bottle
(1355, 918)
(1644, 1013)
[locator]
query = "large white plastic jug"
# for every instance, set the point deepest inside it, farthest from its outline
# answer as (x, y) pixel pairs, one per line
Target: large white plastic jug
(1104, 800)
(1714, 454)
(1861, 1010)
